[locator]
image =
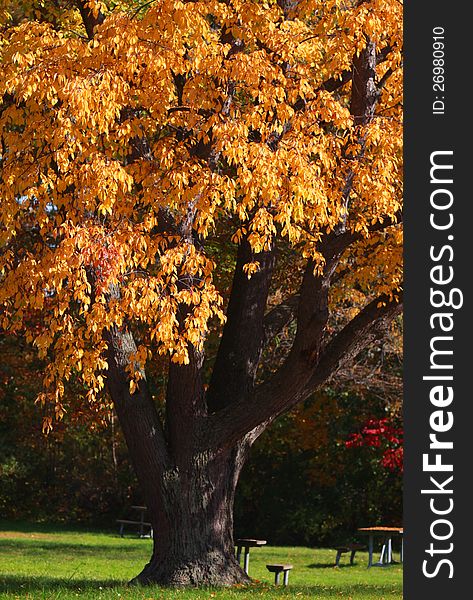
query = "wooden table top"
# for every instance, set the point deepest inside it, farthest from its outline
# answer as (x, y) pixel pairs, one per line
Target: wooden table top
(249, 542)
(382, 529)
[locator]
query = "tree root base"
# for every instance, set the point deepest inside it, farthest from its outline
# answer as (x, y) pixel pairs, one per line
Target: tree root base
(211, 572)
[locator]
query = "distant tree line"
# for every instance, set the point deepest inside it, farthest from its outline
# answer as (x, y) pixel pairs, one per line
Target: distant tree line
(304, 484)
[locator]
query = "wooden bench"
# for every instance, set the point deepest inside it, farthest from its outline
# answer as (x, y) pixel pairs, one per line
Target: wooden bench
(141, 524)
(352, 548)
(277, 570)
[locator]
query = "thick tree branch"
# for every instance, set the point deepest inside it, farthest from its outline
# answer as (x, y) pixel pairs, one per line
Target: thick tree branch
(371, 323)
(332, 244)
(185, 401)
(120, 354)
(365, 94)
(363, 101)
(121, 349)
(137, 412)
(334, 83)
(139, 421)
(313, 312)
(279, 316)
(312, 317)
(384, 79)
(242, 339)
(340, 239)
(90, 21)
(300, 376)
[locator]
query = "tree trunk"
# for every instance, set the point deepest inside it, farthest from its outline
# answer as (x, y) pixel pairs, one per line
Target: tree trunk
(195, 502)
(189, 489)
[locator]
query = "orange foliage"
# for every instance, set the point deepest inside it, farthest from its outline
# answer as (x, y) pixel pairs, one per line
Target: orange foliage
(189, 111)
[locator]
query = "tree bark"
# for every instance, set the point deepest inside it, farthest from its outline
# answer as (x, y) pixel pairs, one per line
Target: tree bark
(196, 502)
(189, 488)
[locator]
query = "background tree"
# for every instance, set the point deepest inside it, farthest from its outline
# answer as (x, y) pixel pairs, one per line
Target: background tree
(79, 472)
(128, 143)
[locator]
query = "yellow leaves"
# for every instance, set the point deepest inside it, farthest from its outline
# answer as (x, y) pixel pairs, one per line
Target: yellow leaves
(138, 359)
(262, 230)
(118, 149)
(42, 342)
(47, 425)
(180, 354)
(333, 111)
(60, 411)
(238, 235)
(251, 268)
(96, 6)
(22, 59)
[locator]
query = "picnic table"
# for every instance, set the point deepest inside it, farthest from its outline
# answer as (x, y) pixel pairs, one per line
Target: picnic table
(247, 543)
(386, 534)
(139, 521)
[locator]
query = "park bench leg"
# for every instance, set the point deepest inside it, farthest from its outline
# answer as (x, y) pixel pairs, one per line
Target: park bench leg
(337, 559)
(389, 551)
(276, 578)
(247, 560)
(121, 529)
(401, 554)
(370, 551)
(142, 524)
(382, 555)
(285, 577)
(238, 556)
(352, 556)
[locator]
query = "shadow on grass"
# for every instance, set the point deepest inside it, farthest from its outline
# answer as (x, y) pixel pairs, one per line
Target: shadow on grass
(32, 547)
(20, 584)
(330, 566)
(28, 527)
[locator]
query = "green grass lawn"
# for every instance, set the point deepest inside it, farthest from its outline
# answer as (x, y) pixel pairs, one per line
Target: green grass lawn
(40, 561)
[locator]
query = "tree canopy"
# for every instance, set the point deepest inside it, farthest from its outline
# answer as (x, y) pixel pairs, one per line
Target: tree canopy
(136, 140)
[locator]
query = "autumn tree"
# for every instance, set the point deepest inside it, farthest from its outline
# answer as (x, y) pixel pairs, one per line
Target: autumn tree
(131, 137)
